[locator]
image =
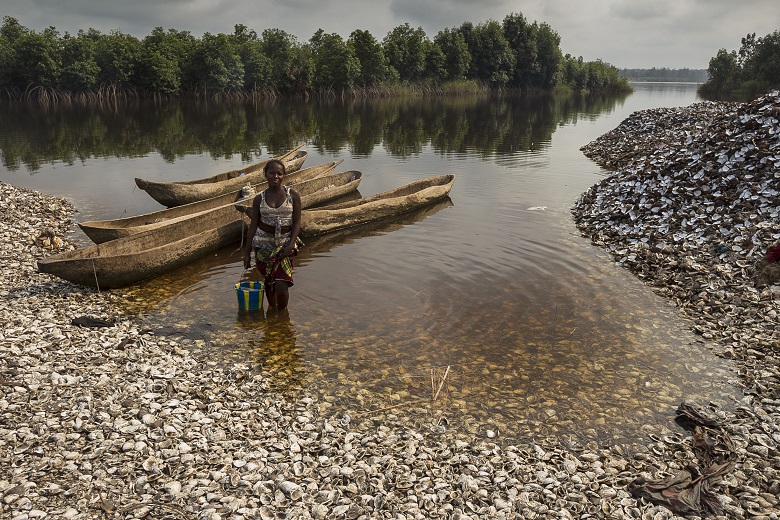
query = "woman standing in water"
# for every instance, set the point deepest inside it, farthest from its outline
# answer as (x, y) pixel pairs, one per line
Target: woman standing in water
(273, 235)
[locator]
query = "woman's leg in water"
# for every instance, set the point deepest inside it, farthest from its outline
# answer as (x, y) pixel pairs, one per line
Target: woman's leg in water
(282, 294)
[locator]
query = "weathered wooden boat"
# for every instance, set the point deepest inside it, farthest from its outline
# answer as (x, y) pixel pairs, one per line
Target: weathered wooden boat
(376, 207)
(128, 260)
(100, 231)
(177, 193)
(323, 189)
(326, 242)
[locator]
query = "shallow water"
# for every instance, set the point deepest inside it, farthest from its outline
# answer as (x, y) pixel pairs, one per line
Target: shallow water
(487, 312)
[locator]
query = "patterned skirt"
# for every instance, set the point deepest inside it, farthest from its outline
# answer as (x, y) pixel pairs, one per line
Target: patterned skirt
(267, 248)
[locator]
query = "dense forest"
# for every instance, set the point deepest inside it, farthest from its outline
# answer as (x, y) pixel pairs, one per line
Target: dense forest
(511, 55)
(664, 74)
(748, 73)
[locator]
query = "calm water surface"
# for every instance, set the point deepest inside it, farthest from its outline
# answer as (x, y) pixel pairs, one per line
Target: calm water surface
(485, 312)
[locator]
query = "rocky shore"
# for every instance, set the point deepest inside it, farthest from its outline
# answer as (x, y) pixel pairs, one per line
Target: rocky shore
(110, 420)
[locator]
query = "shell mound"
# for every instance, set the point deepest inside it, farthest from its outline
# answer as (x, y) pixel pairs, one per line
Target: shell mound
(691, 207)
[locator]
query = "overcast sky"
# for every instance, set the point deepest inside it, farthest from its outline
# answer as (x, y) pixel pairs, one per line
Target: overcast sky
(624, 33)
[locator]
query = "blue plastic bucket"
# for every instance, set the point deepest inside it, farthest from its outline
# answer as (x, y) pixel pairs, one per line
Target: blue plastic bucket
(250, 296)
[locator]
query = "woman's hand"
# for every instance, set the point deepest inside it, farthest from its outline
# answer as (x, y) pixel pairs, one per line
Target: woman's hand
(287, 251)
(247, 259)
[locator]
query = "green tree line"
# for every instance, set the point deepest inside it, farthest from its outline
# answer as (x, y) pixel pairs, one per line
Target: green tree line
(513, 54)
(752, 71)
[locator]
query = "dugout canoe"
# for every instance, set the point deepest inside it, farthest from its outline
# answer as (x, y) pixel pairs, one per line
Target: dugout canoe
(132, 259)
(383, 205)
(177, 193)
(100, 231)
(326, 242)
(125, 261)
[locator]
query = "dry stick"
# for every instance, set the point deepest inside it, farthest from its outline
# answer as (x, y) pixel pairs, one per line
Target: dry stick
(94, 271)
(129, 198)
(441, 383)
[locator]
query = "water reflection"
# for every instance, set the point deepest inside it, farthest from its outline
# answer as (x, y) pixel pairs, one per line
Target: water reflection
(528, 356)
(470, 314)
(203, 284)
(34, 136)
(275, 349)
(190, 282)
(321, 245)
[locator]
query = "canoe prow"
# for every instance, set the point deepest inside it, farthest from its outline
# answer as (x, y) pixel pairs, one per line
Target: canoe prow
(177, 193)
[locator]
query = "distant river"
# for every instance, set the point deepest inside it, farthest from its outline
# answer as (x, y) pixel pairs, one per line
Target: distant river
(487, 314)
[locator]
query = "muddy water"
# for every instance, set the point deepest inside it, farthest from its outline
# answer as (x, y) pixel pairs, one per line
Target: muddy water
(486, 313)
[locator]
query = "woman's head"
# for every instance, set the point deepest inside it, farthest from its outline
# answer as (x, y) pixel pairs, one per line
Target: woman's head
(274, 165)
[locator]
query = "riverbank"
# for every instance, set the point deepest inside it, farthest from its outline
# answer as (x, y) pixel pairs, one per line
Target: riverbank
(117, 422)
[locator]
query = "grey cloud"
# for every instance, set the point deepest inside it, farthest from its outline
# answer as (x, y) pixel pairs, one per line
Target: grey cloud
(437, 15)
(633, 10)
(626, 33)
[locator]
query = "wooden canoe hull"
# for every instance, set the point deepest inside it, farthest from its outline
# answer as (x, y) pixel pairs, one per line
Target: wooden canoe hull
(100, 231)
(184, 192)
(129, 260)
(376, 207)
(331, 187)
(325, 242)
(123, 262)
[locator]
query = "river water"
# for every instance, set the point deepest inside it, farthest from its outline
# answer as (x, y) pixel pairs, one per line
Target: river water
(487, 313)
